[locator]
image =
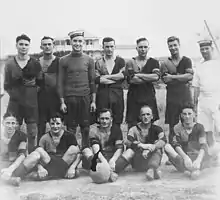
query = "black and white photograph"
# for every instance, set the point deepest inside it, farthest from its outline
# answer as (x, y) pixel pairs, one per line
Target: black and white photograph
(111, 100)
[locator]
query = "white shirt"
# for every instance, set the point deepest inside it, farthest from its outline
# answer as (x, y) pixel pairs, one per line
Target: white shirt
(207, 78)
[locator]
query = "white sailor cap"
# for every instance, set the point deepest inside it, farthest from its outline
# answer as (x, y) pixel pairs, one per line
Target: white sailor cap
(76, 33)
(205, 42)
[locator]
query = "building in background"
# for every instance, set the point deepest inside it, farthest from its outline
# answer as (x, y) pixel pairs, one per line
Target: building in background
(93, 46)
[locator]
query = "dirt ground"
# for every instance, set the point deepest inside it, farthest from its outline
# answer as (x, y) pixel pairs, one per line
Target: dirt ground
(129, 186)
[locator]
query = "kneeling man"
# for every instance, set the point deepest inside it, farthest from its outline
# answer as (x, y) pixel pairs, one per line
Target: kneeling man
(57, 157)
(189, 149)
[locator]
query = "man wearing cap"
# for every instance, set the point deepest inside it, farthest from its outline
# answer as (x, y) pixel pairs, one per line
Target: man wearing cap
(109, 77)
(76, 86)
(176, 73)
(22, 80)
(141, 71)
(106, 138)
(207, 93)
(48, 98)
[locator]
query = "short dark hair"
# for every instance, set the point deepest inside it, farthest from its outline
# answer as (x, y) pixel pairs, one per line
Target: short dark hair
(146, 106)
(104, 110)
(22, 37)
(187, 105)
(47, 38)
(57, 115)
(9, 114)
(173, 38)
(141, 39)
(107, 39)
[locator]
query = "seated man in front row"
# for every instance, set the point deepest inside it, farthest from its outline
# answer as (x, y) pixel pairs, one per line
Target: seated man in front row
(57, 157)
(106, 139)
(144, 148)
(13, 147)
(189, 150)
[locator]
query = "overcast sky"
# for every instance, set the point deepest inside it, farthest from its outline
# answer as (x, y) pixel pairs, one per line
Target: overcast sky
(125, 20)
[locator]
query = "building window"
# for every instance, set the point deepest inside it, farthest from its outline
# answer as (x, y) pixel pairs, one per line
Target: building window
(67, 42)
(56, 42)
(63, 42)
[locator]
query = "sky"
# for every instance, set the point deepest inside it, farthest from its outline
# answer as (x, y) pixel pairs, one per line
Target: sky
(124, 20)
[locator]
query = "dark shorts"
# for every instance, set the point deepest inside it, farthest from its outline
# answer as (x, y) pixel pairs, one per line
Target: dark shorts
(25, 108)
(140, 164)
(174, 105)
(114, 100)
(78, 111)
(133, 110)
(48, 103)
(57, 167)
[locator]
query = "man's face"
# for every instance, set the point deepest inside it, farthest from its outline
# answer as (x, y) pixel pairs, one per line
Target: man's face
(47, 46)
(56, 125)
(142, 48)
(174, 47)
(10, 124)
(109, 48)
(146, 115)
(105, 119)
(187, 115)
(23, 47)
(77, 43)
(206, 52)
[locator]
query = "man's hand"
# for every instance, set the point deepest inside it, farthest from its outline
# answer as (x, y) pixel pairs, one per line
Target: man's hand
(92, 107)
(71, 173)
(188, 163)
(112, 164)
(6, 174)
(63, 108)
(167, 78)
(196, 164)
(42, 173)
(145, 153)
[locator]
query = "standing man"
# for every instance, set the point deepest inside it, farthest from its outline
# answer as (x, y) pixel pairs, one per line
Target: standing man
(207, 93)
(76, 86)
(142, 71)
(48, 98)
(176, 73)
(22, 80)
(109, 77)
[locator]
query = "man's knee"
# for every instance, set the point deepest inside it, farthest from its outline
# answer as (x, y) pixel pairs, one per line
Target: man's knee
(168, 148)
(129, 154)
(40, 150)
(32, 158)
(73, 150)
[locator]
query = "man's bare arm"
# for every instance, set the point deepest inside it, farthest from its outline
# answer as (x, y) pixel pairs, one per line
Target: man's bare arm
(183, 77)
(148, 77)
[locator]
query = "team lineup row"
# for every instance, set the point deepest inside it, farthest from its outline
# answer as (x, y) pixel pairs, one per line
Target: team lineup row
(76, 86)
